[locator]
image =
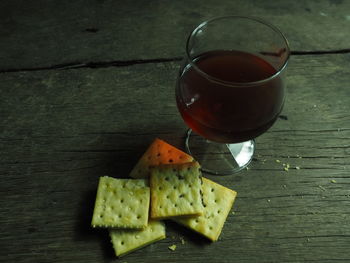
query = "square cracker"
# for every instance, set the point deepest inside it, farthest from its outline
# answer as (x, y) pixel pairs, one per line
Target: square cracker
(125, 241)
(159, 152)
(176, 190)
(218, 201)
(121, 203)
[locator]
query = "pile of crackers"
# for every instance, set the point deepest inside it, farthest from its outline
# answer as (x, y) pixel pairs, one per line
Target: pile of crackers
(166, 184)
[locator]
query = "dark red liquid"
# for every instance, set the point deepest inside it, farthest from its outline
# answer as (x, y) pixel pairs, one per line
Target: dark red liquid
(229, 113)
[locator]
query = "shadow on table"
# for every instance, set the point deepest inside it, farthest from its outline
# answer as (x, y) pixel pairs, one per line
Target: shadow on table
(188, 235)
(83, 229)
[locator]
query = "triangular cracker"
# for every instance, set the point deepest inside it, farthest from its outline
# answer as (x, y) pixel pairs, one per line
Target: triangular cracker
(176, 190)
(125, 241)
(121, 203)
(159, 152)
(218, 201)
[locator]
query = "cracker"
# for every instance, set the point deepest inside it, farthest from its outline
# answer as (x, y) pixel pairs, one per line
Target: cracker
(176, 190)
(121, 203)
(159, 152)
(125, 241)
(218, 201)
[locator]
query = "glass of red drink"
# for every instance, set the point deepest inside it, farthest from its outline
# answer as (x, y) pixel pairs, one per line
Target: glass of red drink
(231, 89)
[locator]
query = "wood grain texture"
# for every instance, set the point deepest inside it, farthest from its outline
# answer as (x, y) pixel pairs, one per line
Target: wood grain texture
(62, 129)
(48, 33)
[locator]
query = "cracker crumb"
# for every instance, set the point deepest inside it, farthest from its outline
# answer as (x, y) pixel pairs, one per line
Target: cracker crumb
(182, 241)
(321, 187)
(247, 168)
(297, 167)
(286, 169)
(278, 161)
(268, 200)
(233, 212)
(333, 181)
(172, 247)
(284, 186)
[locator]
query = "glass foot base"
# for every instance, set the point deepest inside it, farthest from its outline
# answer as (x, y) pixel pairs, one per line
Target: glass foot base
(219, 158)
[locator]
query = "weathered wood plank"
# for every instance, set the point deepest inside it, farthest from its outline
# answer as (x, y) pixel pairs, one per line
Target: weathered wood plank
(62, 129)
(46, 33)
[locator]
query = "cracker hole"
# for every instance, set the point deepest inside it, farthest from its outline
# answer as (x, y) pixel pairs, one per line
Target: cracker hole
(219, 211)
(181, 195)
(166, 178)
(196, 220)
(180, 157)
(211, 228)
(216, 200)
(167, 197)
(158, 154)
(159, 188)
(175, 205)
(212, 189)
(160, 207)
(174, 187)
(122, 200)
(189, 186)
(120, 216)
(138, 217)
(122, 243)
(141, 201)
(169, 151)
(191, 204)
(170, 160)
(180, 177)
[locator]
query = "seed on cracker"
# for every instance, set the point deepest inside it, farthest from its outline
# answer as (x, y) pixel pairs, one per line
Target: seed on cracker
(218, 201)
(159, 152)
(176, 190)
(125, 241)
(121, 203)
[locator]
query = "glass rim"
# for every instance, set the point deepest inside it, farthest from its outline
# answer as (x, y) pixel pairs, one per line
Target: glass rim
(232, 83)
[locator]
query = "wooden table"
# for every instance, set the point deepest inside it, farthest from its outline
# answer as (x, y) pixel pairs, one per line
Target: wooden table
(85, 87)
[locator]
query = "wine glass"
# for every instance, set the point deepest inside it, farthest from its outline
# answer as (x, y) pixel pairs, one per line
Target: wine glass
(231, 89)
